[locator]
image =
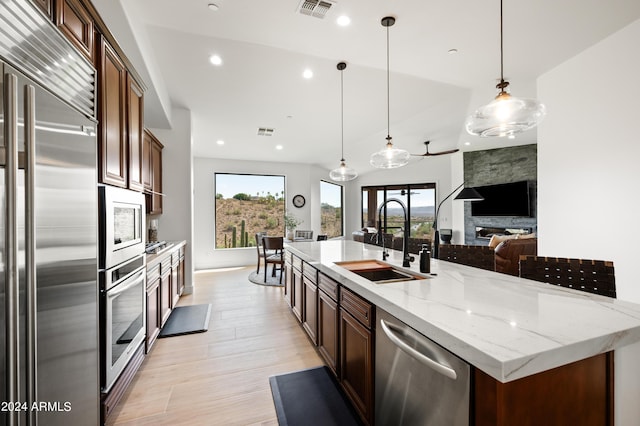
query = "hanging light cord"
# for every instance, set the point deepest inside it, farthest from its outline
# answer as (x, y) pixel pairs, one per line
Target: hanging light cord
(503, 84)
(388, 102)
(342, 114)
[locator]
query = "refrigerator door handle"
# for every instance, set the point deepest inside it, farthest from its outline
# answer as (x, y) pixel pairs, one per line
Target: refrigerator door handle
(30, 249)
(11, 237)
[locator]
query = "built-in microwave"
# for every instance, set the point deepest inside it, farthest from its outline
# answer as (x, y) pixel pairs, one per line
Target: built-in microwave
(122, 229)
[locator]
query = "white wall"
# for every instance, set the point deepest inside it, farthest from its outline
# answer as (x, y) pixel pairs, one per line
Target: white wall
(176, 221)
(299, 179)
(588, 151)
(425, 170)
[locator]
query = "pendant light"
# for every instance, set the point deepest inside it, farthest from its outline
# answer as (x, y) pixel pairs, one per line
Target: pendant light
(506, 115)
(389, 157)
(342, 173)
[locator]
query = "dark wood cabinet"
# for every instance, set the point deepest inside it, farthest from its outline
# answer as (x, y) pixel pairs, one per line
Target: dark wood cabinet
(46, 6)
(135, 126)
(153, 308)
(580, 393)
(152, 172)
(112, 141)
(288, 281)
(328, 326)
(356, 354)
(75, 22)
(310, 309)
(296, 293)
(165, 293)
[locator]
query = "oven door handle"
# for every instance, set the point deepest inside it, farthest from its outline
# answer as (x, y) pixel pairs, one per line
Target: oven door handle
(126, 285)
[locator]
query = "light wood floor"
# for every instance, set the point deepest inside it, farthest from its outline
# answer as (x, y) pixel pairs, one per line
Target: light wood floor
(220, 377)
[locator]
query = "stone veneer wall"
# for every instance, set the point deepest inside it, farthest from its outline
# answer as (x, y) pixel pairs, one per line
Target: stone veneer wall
(502, 165)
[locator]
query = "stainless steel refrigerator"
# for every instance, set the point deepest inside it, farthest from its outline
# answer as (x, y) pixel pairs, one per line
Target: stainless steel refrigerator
(49, 372)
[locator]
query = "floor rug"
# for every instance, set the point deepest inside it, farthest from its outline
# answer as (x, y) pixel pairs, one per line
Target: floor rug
(311, 396)
(271, 281)
(187, 320)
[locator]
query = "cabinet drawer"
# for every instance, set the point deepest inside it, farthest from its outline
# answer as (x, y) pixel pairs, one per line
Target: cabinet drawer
(329, 286)
(153, 273)
(296, 262)
(310, 272)
(358, 307)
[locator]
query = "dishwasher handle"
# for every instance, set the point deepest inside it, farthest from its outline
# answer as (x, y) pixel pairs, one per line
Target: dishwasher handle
(440, 368)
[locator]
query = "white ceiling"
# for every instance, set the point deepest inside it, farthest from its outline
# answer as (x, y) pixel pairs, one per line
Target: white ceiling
(266, 45)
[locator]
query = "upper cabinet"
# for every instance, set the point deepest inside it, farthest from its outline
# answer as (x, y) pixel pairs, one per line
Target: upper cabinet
(75, 22)
(152, 172)
(112, 136)
(46, 6)
(135, 120)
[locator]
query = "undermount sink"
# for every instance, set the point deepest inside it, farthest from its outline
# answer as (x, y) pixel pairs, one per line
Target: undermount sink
(378, 272)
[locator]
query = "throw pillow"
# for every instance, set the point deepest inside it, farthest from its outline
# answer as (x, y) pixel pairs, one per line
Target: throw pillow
(497, 239)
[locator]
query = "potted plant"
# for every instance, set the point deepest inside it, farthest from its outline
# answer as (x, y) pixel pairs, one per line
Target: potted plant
(290, 223)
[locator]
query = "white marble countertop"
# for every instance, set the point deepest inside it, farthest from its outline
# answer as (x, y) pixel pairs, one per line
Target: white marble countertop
(506, 326)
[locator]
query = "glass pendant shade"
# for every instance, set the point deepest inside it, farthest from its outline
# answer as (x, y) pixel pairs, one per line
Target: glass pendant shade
(389, 157)
(343, 173)
(506, 115)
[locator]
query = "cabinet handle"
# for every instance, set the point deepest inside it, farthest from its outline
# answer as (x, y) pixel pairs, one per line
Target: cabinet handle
(419, 356)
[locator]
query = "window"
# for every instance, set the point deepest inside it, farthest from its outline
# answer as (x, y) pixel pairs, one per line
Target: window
(245, 205)
(419, 199)
(330, 209)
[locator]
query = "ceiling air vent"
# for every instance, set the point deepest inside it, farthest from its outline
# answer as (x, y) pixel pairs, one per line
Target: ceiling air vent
(265, 131)
(317, 8)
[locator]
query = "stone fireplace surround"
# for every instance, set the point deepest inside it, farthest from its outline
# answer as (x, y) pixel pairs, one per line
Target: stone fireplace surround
(502, 165)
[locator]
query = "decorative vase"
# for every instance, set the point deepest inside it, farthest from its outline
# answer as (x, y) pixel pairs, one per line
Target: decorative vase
(289, 235)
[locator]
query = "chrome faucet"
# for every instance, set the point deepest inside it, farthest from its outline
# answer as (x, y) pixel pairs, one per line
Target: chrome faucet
(406, 257)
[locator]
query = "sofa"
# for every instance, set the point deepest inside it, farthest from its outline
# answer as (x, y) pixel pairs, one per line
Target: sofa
(508, 252)
(503, 258)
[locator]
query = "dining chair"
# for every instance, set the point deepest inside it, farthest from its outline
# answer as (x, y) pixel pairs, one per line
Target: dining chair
(259, 249)
(592, 276)
(274, 245)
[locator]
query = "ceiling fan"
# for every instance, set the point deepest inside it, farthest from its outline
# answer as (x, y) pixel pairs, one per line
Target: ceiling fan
(429, 154)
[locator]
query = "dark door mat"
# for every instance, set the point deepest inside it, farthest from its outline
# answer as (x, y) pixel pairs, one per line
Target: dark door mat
(311, 396)
(187, 320)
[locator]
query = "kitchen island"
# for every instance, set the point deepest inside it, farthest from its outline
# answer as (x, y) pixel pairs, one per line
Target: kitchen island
(508, 328)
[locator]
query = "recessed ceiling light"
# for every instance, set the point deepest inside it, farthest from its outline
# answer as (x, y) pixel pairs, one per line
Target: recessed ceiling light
(307, 74)
(214, 7)
(343, 20)
(279, 147)
(467, 143)
(220, 142)
(215, 60)
(452, 51)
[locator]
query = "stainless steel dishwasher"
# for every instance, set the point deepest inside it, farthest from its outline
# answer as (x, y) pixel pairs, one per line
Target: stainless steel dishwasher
(417, 381)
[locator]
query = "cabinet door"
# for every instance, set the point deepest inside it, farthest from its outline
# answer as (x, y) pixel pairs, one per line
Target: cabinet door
(112, 78)
(75, 22)
(328, 331)
(154, 199)
(181, 275)
(296, 297)
(135, 120)
(165, 295)
(153, 312)
(288, 282)
(310, 309)
(45, 6)
(356, 364)
(147, 142)
(175, 285)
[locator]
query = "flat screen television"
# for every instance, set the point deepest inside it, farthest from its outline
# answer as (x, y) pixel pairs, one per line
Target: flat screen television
(505, 199)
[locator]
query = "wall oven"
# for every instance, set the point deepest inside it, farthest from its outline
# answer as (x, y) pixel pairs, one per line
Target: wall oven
(122, 217)
(122, 299)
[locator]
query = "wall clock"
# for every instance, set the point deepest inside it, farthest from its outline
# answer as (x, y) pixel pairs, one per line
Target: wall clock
(298, 201)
